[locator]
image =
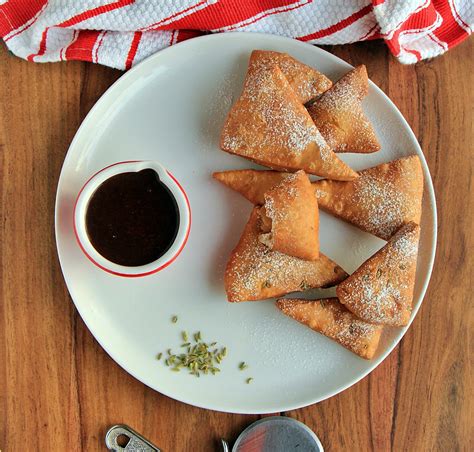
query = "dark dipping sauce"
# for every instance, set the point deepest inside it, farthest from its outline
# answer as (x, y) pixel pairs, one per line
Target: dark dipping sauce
(132, 218)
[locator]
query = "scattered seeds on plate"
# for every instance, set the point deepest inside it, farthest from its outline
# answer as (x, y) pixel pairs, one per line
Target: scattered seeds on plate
(199, 358)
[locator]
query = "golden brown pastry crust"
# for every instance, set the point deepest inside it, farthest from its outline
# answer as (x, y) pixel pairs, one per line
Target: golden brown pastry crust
(291, 209)
(252, 184)
(331, 318)
(339, 116)
(381, 290)
(380, 201)
(306, 82)
(269, 125)
(254, 272)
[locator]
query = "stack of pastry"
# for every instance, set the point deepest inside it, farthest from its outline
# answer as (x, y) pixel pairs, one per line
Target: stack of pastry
(278, 252)
(291, 118)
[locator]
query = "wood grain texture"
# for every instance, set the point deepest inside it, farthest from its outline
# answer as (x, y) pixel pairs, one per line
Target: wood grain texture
(60, 391)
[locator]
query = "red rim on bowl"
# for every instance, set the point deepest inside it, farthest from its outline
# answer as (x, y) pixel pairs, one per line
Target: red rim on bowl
(184, 223)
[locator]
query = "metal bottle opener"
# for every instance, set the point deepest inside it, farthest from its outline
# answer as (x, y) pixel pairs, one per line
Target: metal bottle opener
(132, 441)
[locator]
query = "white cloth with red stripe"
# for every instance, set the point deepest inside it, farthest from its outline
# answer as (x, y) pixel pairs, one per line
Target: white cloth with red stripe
(120, 33)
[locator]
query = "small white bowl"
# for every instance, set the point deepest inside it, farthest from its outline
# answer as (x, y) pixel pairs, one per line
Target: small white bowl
(82, 202)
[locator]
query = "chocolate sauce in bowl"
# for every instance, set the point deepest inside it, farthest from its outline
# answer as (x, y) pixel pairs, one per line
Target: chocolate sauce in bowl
(132, 219)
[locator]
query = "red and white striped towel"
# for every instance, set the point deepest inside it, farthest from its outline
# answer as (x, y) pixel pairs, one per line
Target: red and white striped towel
(120, 33)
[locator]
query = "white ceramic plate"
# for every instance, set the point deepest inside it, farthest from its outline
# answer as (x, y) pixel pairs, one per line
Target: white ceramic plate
(171, 108)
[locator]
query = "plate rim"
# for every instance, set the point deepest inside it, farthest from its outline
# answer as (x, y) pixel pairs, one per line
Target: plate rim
(244, 35)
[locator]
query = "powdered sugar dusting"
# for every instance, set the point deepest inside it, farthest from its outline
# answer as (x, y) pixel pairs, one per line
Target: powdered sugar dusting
(381, 200)
(304, 80)
(351, 331)
(387, 199)
(341, 95)
(381, 290)
(339, 116)
(385, 205)
(332, 319)
(301, 134)
(291, 192)
(381, 304)
(267, 268)
(270, 210)
(406, 244)
(255, 270)
(263, 268)
(273, 120)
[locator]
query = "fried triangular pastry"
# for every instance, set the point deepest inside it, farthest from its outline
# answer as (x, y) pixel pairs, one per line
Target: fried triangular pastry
(254, 272)
(331, 318)
(381, 289)
(339, 116)
(252, 184)
(306, 82)
(380, 201)
(290, 218)
(269, 125)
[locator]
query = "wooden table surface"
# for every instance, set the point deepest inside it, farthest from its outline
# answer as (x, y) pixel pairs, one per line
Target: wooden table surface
(60, 391)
